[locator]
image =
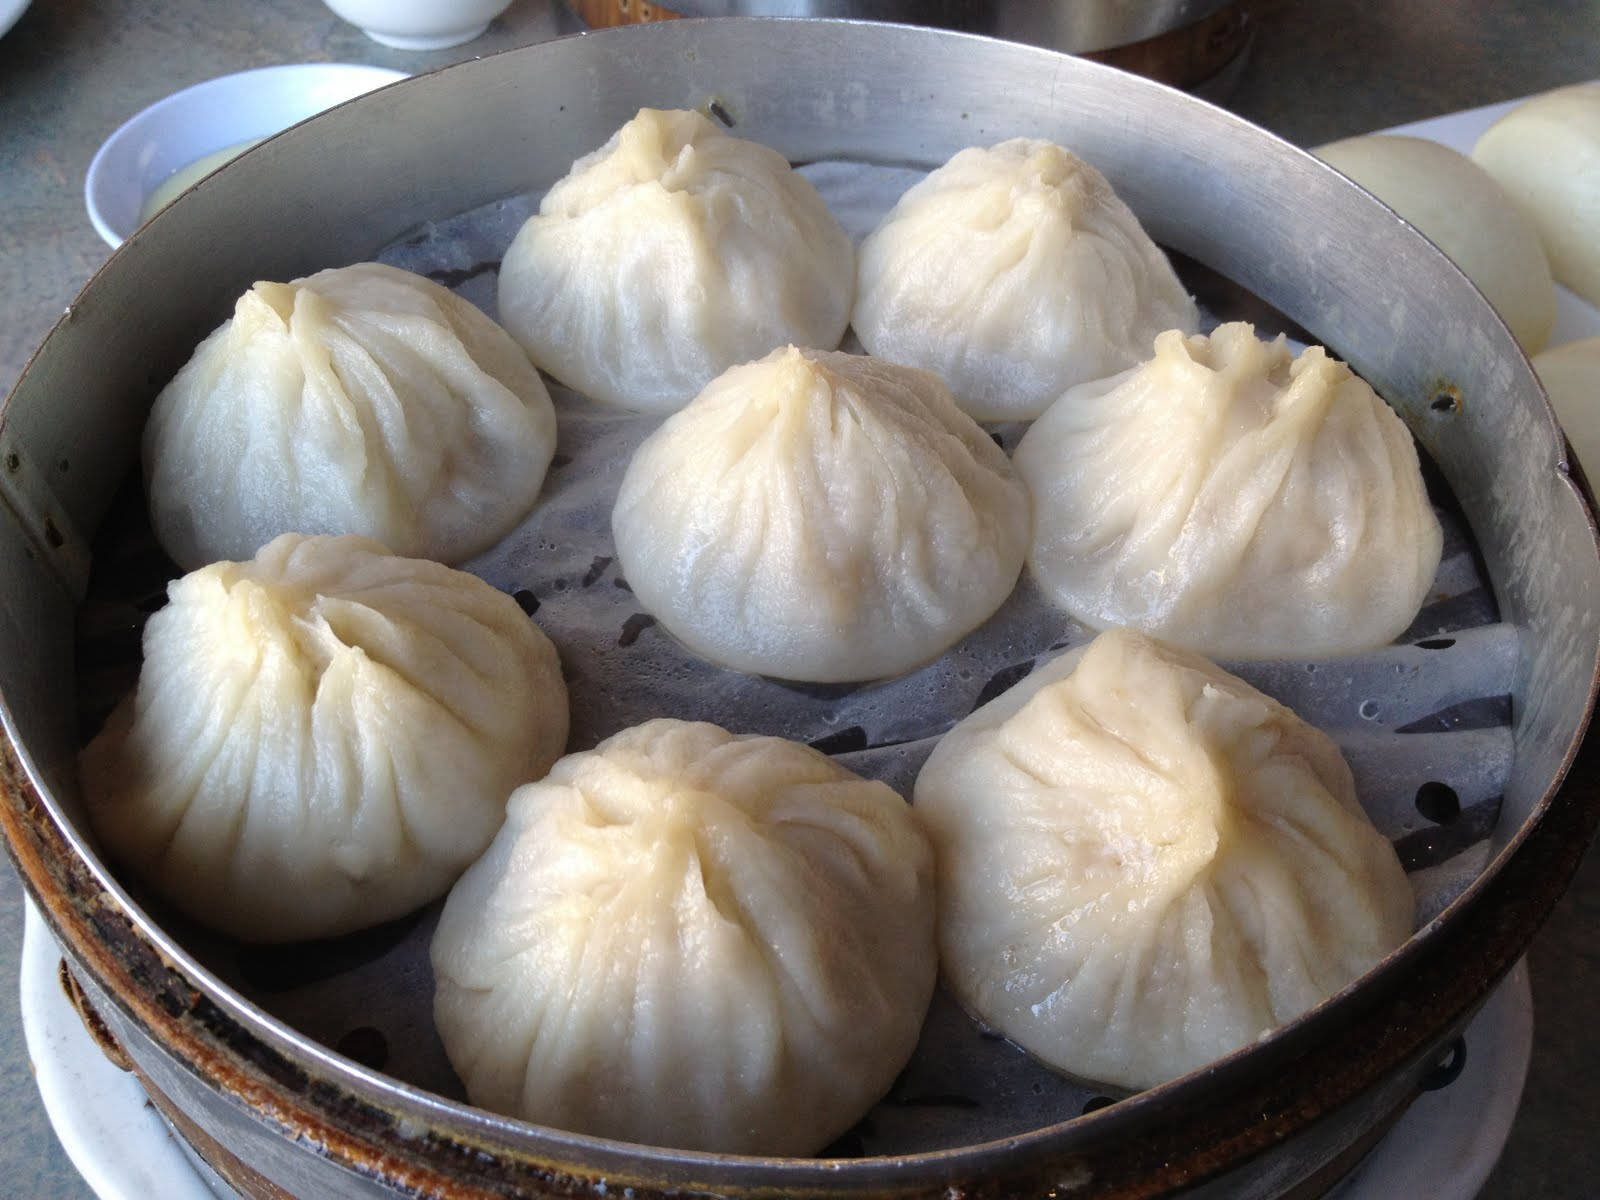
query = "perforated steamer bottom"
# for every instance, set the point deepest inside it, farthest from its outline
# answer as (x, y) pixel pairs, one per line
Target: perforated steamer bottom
(1425, 723)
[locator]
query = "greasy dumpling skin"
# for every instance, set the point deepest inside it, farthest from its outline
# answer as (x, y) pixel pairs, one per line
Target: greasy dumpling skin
(322, 738)
(1234, 499)
(821, 516)
(363, 400)
(1145, 864)
(668, 255)
(693, 939)
(1014, 272)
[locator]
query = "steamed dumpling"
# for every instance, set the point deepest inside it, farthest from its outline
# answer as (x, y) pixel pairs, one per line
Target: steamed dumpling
(1144, 863)
(322, 737)
(1234, 499)
(693, 939)
(363, 400)
(821, 516)
(668, 255)
(1014, 272)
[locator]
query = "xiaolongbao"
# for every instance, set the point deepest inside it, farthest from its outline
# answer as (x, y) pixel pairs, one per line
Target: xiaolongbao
(668, 255)
(821, 516)
(1015, 272)
(1234, 499)
(1143, 863)
(693, 939)
(322, 738)
(363, 400)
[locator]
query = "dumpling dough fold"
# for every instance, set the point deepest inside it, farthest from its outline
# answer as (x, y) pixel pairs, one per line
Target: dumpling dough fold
(693, 939)
(1014, 272)
(668, 255)
(1234, 499)
(1144, 863)
(821, 516)
(322, 737)
(363, 400)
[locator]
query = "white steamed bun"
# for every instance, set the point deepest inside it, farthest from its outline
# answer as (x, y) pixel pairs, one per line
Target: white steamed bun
(1015, 272)
(1464, 212)
(1545, 152)
(1234, 499)
(363, 400)
(1145, 864)
(668, 255)
(693, 939)
(821, 516)
(322, 738)
(1571, 375)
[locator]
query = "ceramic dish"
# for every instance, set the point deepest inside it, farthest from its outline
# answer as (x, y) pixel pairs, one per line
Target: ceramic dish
(420, 24)
(200, 124)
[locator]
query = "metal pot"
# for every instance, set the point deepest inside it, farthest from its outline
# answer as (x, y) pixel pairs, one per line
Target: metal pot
(1188, 43)
(277, 1113)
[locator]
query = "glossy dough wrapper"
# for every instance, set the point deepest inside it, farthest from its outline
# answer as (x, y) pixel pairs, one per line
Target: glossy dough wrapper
(821, 516)
(1015, 272)
(668, 255)
(362, 400)
(692, 939)
(322, 738)
(1144, 863)
(1234, 499)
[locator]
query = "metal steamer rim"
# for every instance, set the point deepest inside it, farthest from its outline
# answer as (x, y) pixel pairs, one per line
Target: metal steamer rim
(165, 1005)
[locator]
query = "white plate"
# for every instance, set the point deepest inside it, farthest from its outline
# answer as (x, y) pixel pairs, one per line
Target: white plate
(1449, 1140)
(209, 117)
(116, 1139)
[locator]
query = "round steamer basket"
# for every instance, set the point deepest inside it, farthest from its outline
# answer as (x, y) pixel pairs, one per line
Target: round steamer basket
(278, 1112)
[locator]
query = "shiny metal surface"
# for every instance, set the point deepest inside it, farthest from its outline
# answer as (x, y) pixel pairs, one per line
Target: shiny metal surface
(1209, 185)
(1075, 26)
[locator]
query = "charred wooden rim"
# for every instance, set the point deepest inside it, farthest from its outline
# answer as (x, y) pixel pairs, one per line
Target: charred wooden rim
(1343, 1065)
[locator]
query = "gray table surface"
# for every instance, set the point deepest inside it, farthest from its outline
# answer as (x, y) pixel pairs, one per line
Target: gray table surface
(72, 70)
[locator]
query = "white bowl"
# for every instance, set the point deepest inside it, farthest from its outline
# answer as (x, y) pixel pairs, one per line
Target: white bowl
(10, 10)
(419, 24)
(187, 127)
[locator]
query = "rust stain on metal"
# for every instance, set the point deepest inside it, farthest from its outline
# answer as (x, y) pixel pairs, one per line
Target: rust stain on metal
(1445, 398)
(92, 1021)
